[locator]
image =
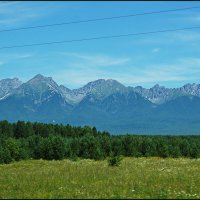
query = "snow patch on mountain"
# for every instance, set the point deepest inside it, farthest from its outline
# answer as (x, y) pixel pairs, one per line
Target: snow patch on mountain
(7, 86)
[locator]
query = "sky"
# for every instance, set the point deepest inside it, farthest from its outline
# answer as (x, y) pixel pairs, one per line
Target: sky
(170, 59)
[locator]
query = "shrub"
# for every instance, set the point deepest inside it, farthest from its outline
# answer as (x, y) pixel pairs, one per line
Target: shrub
(5, 156)
(114, 160)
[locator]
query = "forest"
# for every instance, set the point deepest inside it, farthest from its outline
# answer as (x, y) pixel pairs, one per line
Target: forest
(26, 140)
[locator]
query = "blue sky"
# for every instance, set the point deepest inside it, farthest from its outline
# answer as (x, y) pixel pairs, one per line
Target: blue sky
(170, 59)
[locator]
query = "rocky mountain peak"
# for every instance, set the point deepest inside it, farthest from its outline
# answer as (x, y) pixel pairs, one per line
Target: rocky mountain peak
(156, 86)
(95, 83)
(63, 88)
(8, 85)
(40, 78)
(100, 88)
(42, 81)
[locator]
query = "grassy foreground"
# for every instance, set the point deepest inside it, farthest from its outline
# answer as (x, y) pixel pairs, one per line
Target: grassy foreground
(134, 178)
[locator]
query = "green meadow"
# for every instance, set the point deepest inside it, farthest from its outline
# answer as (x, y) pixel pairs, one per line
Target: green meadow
(135, 178)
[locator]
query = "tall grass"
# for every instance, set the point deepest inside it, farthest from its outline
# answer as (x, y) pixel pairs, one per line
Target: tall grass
(134, 178)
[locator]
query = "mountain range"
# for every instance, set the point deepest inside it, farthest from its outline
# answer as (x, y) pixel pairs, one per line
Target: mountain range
(106, 104)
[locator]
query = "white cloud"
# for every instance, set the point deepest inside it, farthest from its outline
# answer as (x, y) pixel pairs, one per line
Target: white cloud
(193, 17)
(17, 14)
(95, 60)
(196, 18)
(186, 37)
(9, 57)
(187, 69)
(23, 56)
(23, 13)
(77, 78)
(7, 21)
(155, 50)
(170, 38)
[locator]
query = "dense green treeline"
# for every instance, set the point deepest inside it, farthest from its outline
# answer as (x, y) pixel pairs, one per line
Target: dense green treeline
(26, 140)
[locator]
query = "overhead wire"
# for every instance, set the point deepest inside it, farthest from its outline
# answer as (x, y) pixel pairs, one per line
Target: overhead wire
(98, 38)
(98, 19)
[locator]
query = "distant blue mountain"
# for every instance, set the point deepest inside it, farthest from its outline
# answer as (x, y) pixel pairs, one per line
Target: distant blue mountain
(106, 104)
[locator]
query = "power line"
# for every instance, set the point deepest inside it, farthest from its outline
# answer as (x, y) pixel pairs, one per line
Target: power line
(99, 19)
(98, 38)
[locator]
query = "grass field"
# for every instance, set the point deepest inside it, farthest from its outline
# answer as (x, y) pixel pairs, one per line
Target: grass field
(134, 178)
